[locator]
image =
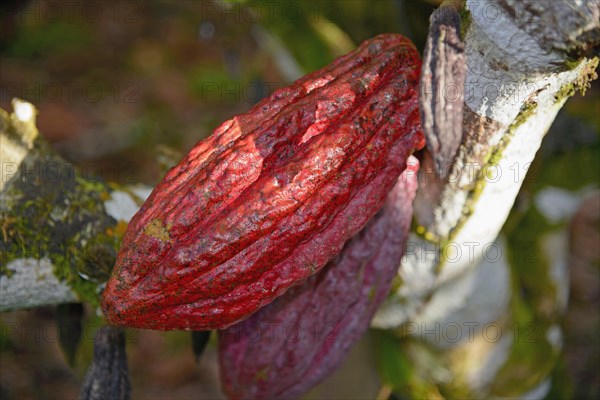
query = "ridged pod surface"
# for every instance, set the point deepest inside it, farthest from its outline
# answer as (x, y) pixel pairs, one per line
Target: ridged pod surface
(288, 346)
(271, 196)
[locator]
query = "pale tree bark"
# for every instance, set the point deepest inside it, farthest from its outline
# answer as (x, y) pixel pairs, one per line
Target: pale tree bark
(523, 60)
(495, 75)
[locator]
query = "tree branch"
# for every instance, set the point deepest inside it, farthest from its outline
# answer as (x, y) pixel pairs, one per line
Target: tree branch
(59, 232)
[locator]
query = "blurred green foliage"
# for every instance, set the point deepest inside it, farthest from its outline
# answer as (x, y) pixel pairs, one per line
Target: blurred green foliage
(43, 40)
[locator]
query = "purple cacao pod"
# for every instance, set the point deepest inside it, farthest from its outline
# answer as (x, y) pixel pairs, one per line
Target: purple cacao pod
(293, 343)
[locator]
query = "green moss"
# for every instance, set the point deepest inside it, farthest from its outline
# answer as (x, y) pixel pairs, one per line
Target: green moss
(571, 64)
(52, 212)
(582, 83)
(465, 21)
(565, 91)
(527, 110)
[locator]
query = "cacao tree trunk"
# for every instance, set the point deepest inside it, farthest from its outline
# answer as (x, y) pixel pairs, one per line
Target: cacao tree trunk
(521, 65)
(495, 75)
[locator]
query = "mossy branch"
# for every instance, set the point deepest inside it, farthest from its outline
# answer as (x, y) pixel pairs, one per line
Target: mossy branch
(59, 232)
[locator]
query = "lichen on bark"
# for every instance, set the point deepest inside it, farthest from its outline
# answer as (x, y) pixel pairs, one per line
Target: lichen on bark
(48, 210)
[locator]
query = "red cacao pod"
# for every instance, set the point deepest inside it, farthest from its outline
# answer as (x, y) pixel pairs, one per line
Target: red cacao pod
(288, 346)
(271, 196)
